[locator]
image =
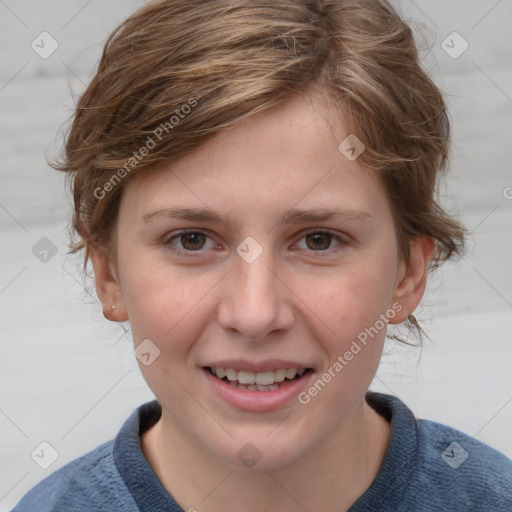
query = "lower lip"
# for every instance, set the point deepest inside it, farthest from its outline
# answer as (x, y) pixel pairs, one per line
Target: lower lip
(258, 401)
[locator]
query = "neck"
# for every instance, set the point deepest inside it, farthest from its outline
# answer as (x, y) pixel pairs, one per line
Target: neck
(330, 477)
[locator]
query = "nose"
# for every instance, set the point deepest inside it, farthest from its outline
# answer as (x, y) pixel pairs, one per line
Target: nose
(255, 301)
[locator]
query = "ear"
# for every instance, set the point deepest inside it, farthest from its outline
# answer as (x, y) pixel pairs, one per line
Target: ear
(412, 278)
(108, 288)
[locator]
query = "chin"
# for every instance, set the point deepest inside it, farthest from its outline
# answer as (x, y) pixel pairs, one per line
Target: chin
(261, 451)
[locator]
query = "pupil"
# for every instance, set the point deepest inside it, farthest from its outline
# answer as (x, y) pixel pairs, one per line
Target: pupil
(194, 238)
(318, 237)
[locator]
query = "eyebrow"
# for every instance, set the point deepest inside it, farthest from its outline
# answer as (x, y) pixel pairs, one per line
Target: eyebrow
(293, 216)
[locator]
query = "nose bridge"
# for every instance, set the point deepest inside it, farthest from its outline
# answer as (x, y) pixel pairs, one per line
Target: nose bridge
(256, 281)
(254, 299)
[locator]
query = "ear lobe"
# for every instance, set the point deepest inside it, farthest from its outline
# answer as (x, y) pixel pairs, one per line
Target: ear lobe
(108, 288)
(411, 286)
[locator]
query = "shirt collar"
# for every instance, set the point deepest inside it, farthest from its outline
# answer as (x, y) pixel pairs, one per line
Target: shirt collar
(392, 479)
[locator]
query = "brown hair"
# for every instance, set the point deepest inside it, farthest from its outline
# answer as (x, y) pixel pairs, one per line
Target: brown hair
(177, 73)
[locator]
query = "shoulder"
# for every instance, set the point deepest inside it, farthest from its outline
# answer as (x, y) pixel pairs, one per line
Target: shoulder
(432, 467)
(456, 468)
(89, 483)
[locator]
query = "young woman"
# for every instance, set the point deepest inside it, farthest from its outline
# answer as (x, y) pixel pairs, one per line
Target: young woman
(254, 183)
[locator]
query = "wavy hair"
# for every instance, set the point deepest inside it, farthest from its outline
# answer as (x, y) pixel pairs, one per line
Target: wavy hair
(234, 58)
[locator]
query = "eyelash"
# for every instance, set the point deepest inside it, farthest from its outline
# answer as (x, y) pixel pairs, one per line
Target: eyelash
(189, 254)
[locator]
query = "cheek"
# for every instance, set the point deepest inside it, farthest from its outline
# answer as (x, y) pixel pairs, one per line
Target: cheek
(350, 307)
(170, 311)
(164, 304)
(353, 298)
(352, 332)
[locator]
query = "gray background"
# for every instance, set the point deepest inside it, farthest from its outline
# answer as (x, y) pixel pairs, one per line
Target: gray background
(69, 377)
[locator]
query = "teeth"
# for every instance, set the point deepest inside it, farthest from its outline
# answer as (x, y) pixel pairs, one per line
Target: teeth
(220, 372)
(246, 377)
(279, 375)
(230, 374)
(290, 374)
(265, 378)
(252, 387)
(257, 379)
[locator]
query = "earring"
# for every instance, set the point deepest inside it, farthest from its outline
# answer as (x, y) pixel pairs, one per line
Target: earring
(107, 314)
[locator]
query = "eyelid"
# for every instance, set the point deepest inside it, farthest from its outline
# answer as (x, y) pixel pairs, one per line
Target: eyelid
(177, 234)
(342, 239)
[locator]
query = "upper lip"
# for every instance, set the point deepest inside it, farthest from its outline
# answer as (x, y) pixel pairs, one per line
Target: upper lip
(256, 367)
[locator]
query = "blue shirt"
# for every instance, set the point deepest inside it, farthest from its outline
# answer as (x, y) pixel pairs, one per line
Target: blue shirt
(427, 467)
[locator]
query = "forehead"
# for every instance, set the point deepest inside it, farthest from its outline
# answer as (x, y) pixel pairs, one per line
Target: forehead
(284, 156)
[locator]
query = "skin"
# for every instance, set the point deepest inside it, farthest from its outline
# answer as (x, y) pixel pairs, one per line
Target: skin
(290, 303)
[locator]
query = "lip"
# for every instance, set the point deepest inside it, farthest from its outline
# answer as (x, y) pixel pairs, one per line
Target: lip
(251, 366)
(257, 401)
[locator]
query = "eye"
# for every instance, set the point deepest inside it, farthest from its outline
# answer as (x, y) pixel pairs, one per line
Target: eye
(320, 241)
(187, 242)
(190, 241)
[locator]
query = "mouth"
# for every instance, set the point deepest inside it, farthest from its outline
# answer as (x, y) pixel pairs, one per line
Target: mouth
(256, 386)
(266, 381)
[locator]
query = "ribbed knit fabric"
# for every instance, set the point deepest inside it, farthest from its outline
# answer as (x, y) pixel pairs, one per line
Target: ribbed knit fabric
(428, 467)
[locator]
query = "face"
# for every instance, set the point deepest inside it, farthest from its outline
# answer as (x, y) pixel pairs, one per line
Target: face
(288, 257)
